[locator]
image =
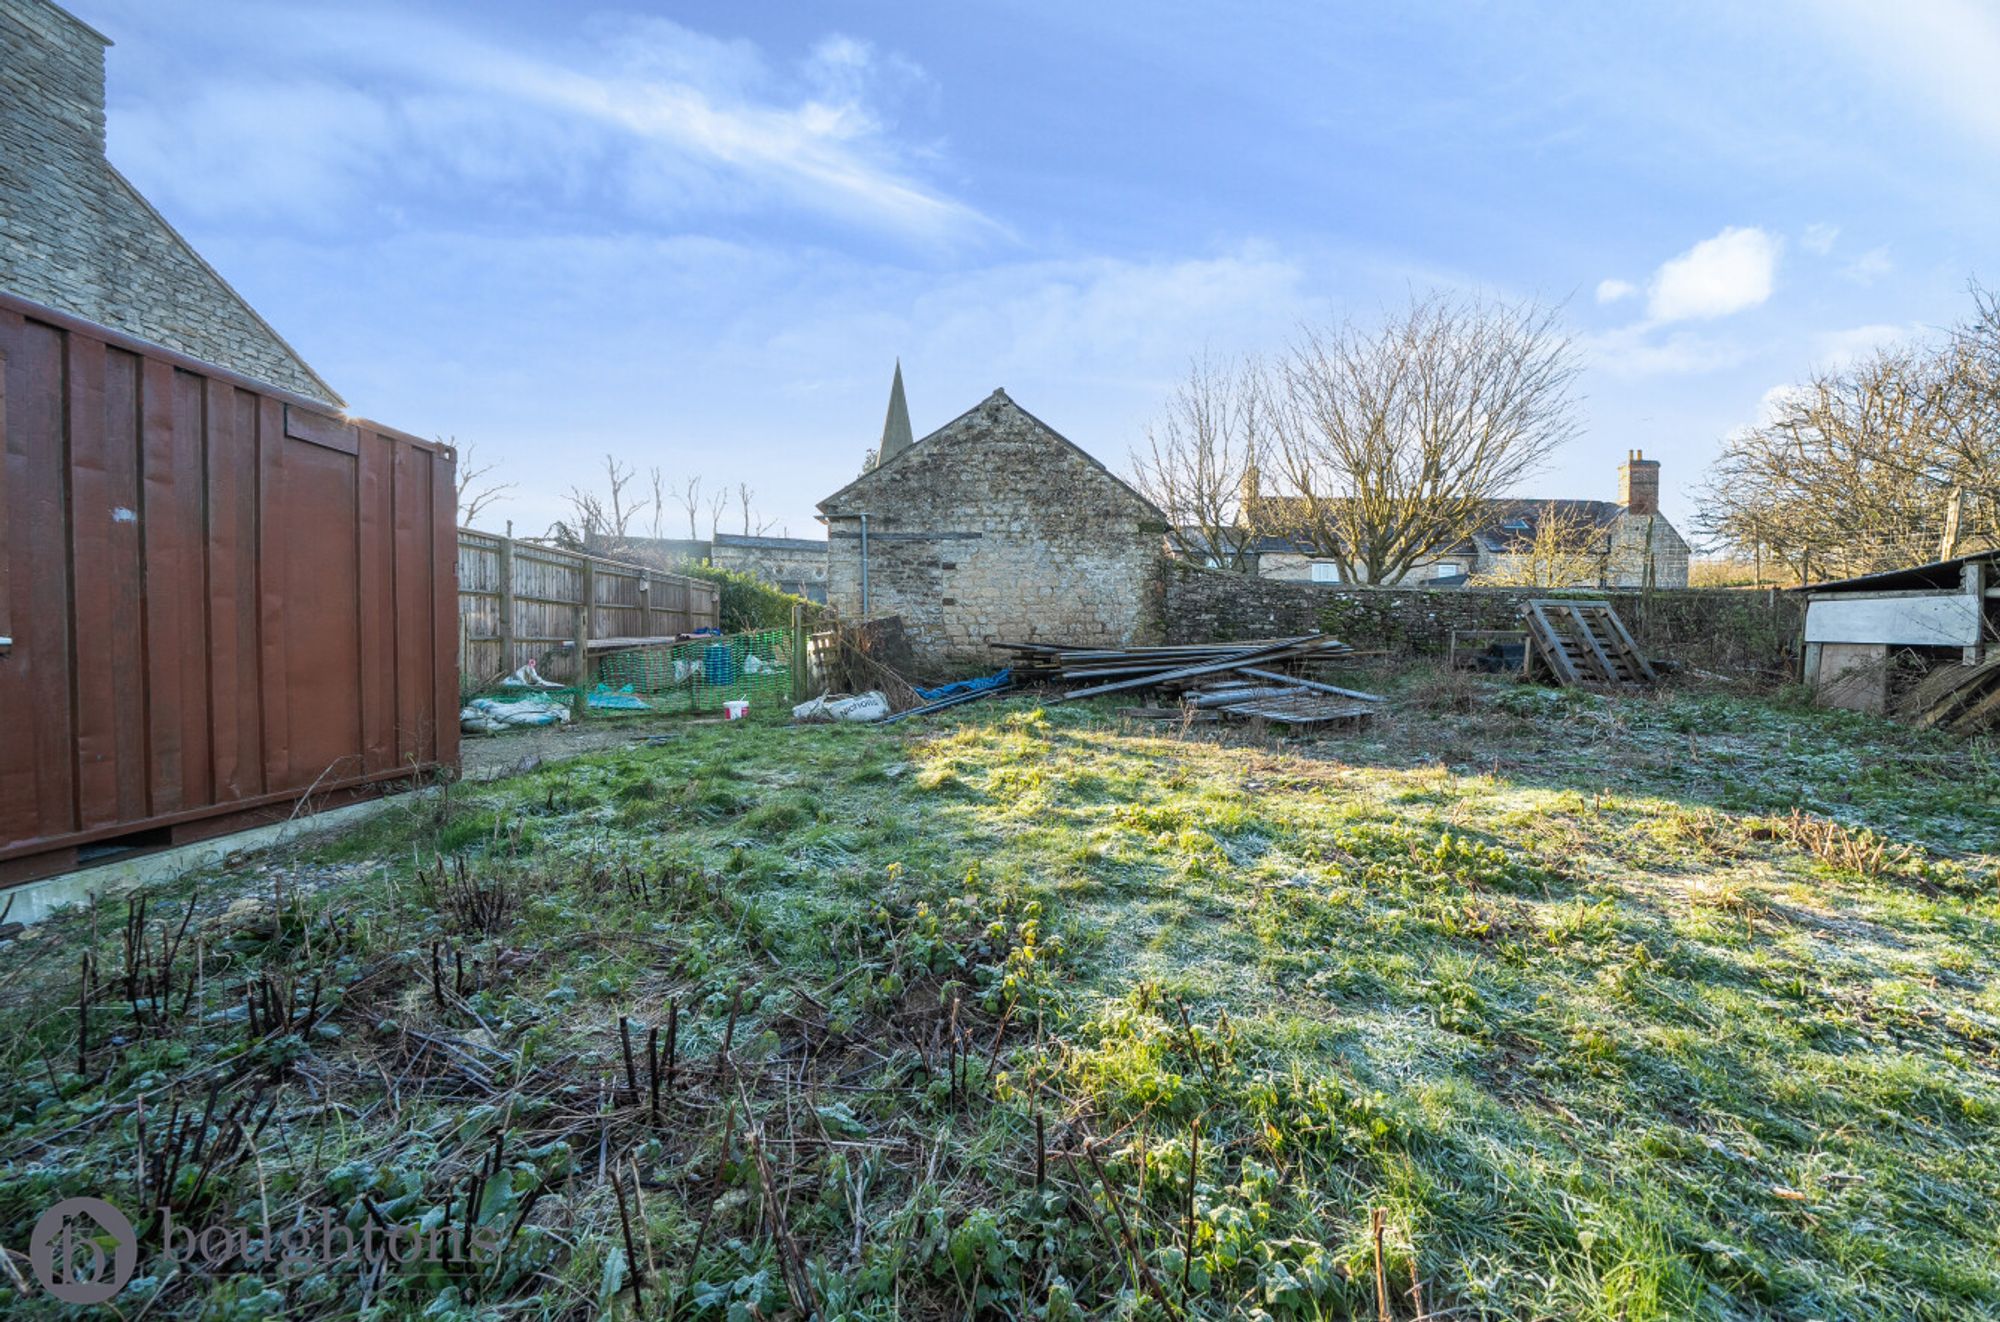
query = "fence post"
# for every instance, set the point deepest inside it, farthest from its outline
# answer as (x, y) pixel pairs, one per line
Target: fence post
(507, 606)
(799, 693)
(589, 600)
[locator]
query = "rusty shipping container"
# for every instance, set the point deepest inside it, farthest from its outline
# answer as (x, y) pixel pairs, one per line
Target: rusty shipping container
(221, 599)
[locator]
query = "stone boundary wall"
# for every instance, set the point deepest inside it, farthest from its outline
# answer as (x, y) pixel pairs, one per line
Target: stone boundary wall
(1732, 632)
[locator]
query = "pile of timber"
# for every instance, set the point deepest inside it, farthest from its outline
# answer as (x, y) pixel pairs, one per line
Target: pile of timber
(1253, 678)
(1962, 699)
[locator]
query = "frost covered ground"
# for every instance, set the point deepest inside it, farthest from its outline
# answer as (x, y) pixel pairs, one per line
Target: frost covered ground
(1673, 1005)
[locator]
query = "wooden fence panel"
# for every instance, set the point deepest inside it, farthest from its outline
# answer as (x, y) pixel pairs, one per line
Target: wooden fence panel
(519, 601)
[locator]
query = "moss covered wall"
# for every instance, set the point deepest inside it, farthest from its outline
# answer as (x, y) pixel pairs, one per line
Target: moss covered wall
(1729, 631)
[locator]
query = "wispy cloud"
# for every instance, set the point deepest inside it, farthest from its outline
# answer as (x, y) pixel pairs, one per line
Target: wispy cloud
(1820, 238)
(1842, 348)
(1639, 350)
(1943, 52)
(640, 117)
(1727, 274)
(1869, 267)
(1613, 291)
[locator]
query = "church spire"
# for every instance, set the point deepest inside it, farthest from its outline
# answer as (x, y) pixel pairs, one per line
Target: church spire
(896, 427)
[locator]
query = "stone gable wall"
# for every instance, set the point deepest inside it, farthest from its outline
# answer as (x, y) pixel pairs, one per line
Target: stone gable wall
(995, 529)
(1752, 633)
(798, 570)
(1637, 537)
(75, 236)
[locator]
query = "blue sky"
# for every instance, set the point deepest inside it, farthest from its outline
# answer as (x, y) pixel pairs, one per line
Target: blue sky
(699, 235)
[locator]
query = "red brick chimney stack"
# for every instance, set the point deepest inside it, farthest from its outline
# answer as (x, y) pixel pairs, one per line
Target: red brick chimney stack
(1639, 484)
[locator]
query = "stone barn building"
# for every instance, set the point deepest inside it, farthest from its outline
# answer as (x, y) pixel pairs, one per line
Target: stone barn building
(992, 527)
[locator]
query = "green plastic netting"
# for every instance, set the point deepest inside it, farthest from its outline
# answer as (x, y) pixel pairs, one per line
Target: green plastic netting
(703, 674)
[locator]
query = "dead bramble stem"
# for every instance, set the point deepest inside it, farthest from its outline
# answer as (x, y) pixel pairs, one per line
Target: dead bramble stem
(1377, 1218)
(625, 1043)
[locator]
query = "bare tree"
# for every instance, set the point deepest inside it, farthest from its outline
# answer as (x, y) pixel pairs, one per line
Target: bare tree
(689, 499)
(1201, 458)
(1972, 440)
(1387, 444)
(1724, 571)
(717, 502)
(1888, 462)
(1566, 549)
(476, 492)
(656, 527)
(601, 520)
(1856, 470)
(753, 526)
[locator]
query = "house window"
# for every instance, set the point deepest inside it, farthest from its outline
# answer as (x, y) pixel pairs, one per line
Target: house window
(1325, 571)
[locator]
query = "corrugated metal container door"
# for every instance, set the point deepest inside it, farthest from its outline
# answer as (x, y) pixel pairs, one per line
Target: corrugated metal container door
(219, 597)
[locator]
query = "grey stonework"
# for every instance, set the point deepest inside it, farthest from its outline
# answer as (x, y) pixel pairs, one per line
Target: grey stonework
(1646, 551)
(1747, 632)
(790, 564)
(76, 236)
(994, 527)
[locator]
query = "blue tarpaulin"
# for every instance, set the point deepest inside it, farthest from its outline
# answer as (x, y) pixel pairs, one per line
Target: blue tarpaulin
(619, 700)
(993, 681)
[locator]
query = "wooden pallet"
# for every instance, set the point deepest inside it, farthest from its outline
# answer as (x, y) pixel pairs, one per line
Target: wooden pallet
(1960, 698)
(1582, 642)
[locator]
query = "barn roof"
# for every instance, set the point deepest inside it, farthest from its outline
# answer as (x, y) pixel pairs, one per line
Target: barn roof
(998, 398)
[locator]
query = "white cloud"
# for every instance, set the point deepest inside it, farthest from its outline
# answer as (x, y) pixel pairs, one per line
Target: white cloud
(1611, 291)
(1841, 348)
(764, 362)
(639, 117)
(1942, 51)
(1729, 273)
(1819, 239)
(1636, 351)
(1869, 267)
(1774, 401)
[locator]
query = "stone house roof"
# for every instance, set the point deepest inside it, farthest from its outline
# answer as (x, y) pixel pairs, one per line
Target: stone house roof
(1507, 525)
(1511, 525)
(842, 502)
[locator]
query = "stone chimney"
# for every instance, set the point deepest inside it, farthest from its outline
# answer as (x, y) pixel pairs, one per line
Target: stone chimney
(1639, 484)
(52, 169)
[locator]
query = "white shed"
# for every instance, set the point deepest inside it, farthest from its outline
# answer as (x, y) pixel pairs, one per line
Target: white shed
(1946, 611)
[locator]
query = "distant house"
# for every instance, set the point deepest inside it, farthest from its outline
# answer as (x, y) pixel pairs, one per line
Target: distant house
(1635, 547)
(77, 237)
(790, 564)
(992, 527)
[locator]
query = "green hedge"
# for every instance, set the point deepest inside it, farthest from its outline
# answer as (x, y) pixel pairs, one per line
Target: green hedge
(748, 602)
